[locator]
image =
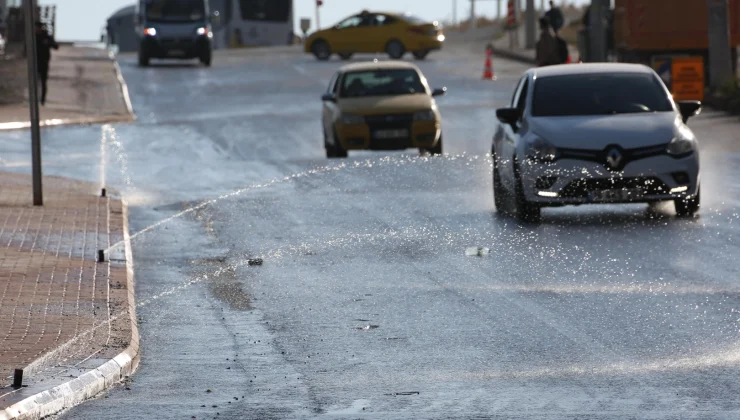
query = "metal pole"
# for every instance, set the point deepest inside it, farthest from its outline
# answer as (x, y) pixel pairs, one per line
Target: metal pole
(498, 11)
(720, 57)
(531, 31)
(33, 99)
(454, 12)
(472, 15)
(318, 20)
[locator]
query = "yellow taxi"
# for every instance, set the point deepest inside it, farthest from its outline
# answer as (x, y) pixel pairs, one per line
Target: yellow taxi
(373, 32)
(380, 106)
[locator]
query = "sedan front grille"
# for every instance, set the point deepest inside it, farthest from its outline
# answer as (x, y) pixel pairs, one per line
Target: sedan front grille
(581, 188)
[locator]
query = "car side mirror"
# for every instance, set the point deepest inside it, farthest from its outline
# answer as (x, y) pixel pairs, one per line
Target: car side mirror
(689, 109)
(329, 97)
(439, 91)
(507, 115)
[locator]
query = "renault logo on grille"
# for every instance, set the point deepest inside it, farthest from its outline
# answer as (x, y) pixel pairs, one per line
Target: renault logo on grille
(614, 158)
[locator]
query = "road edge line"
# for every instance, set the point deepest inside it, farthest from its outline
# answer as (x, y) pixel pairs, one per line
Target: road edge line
(93, 382)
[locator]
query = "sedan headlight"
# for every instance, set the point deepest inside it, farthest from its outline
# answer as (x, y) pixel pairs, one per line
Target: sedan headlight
(204, 31)
(681, 146)
(427, 115)
(541, 150)
(150, 32)
(352, 119)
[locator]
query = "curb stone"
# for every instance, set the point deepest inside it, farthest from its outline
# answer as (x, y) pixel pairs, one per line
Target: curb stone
(95, 381)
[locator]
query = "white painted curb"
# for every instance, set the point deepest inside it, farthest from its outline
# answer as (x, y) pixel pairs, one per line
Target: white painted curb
(97, 380)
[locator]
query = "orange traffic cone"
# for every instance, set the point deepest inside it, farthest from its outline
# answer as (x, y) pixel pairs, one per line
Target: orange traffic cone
(488, 68)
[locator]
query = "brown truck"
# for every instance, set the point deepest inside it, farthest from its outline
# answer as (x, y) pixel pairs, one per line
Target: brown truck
(644, 29)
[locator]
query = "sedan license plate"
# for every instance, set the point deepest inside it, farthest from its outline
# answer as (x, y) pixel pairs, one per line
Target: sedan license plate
(176, 52)
(616, 195)
(391, 134)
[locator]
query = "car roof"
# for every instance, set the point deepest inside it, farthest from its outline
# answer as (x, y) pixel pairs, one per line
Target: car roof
(378, 65)
(589, 68)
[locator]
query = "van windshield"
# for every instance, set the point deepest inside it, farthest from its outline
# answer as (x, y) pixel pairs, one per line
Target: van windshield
(175, 10)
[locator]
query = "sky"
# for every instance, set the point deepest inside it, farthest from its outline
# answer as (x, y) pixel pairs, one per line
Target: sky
(80, 20)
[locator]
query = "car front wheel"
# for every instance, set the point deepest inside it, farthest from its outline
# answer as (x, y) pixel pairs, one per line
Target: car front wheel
(688, 206)
(437, 149)
(395, 49)
(500, 197)
(526, 211)
(321, 50)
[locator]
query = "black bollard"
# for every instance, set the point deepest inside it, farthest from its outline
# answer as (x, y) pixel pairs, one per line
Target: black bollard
(102, 192)
(101, 255)
(18, 379)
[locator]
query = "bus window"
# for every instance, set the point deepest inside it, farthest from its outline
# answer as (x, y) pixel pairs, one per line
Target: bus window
(265, 10)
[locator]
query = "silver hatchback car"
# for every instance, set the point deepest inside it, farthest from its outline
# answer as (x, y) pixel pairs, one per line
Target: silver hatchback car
(594, 133)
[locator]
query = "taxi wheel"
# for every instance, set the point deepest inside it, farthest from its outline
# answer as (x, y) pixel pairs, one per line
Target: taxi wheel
(420, 55)
(345, 56)
(437, 149)
(321, 50)
(334, 150)
(395, 49)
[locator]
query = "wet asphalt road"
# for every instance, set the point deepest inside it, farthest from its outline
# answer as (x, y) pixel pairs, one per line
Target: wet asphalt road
(366, 305)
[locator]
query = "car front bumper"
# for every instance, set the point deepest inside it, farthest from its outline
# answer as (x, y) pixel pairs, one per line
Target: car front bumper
(572, 181)
(421, 134)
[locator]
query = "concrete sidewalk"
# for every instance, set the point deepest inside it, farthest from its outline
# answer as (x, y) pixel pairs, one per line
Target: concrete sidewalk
(85, 87)
(63, 314)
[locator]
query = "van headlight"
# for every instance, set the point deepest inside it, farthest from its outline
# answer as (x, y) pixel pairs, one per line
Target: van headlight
(541, 150)
(427, 115)
(350, 119)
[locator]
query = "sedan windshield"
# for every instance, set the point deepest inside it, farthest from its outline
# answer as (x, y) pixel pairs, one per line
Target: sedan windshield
(381, 83)
(175, 10)
(599, 94)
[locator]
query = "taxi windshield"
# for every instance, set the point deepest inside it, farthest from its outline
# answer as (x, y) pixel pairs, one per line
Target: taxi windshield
(381, 83)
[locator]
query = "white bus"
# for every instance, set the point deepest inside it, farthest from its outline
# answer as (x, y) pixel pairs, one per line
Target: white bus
(253, 23)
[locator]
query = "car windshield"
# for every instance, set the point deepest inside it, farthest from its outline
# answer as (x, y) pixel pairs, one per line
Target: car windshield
(381, 82)
(598, 94)
(175, 10)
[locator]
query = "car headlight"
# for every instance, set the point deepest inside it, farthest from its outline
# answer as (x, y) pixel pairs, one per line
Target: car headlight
(203, 31)
(541, 150)
(427, 115)
(681, 145)
(150, 31)
(352, 119)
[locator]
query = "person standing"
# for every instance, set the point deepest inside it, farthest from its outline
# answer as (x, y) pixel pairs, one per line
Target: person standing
(555, 16)
(44, 43)
(547, 53)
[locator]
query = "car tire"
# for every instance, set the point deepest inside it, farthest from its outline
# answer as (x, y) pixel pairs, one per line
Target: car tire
(421, 55)
(321, 50)
(526, 212)
(437, 149)
(345, 56)
(206, 59)
(688, 206)
(334, 150)
(143, 59)
(395, 49)
(500, 195)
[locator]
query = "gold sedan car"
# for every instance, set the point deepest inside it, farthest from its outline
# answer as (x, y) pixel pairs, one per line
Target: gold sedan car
(380, 106)
(373, 32)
